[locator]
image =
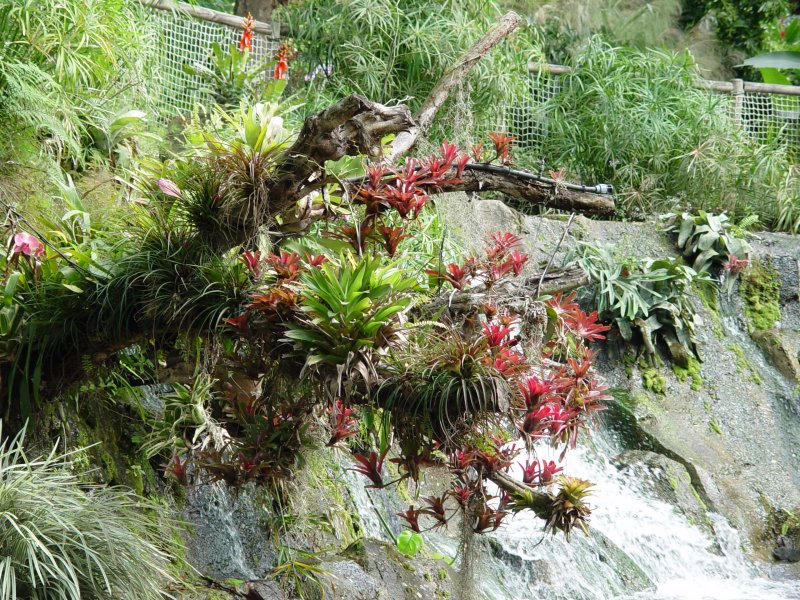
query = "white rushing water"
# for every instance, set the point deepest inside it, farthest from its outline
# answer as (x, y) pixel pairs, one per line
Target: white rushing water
(640, 548)
(680, 560)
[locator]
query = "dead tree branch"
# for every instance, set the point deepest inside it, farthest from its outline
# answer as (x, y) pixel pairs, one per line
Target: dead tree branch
(406, 140)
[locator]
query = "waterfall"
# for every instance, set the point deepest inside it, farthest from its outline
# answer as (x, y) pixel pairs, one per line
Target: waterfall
(640, 548)
(679, 559)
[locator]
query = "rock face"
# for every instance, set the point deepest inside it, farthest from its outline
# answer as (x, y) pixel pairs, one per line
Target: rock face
(379, 572)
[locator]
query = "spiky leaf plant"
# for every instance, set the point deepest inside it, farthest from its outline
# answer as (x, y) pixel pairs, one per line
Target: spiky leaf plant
(348, 306)
(569, 509)
(62, 540)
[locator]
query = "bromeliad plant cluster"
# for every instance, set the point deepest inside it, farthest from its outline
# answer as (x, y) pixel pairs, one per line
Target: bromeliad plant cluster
(333, 339)
(343, 349)
(710, 240)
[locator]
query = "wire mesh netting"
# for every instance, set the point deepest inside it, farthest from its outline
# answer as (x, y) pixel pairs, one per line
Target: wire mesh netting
(769, 118)
(528, 118)
(186, 40)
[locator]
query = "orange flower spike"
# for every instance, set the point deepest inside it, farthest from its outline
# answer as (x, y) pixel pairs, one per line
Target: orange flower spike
(282, 62)
(246, 42)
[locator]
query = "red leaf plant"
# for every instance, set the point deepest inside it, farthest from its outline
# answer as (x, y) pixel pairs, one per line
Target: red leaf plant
(502, 146)
(178, 469)
(488, 520)
(371, 467)
(435, 509)
(343, 424)
(411, 516)
(286, 265)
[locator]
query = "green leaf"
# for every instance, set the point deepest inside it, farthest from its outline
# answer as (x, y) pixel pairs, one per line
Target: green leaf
(409, 543)
(686, 229)
(770, 75)
(788, 59)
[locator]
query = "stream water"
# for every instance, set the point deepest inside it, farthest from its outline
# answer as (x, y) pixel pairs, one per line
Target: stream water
(680, 560)
(641, 548)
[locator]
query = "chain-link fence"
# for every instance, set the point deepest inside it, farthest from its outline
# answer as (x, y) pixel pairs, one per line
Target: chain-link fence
(185, 37)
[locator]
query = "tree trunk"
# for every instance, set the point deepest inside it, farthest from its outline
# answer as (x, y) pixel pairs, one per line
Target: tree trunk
(260, 9)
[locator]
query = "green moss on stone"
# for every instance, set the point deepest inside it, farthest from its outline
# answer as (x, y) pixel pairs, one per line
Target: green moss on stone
(760, 289)
(629, 361)
(743, 365)
(696, 494)
(691, 373)
(654, 381)
(442, 573)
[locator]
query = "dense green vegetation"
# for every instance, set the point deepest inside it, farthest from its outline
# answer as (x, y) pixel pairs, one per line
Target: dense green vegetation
(134, 256)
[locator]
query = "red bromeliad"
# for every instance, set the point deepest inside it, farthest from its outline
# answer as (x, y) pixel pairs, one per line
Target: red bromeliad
(343, 424)
(286, 265)
(496, 334)
(252, 260)
(411, 516)
(736, 266)
(502, 146)
(371, 467)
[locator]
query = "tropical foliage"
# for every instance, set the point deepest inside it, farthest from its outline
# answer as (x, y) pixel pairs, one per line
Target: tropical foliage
(636, 120)
(648, 300)
(64, 540)
(393, 51)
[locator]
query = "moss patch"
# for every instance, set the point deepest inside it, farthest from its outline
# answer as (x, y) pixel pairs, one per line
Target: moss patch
(654, 381)
(744, 366)
(690, 373)
(760, 289)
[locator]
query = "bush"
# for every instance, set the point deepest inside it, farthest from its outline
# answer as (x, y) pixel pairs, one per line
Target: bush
(63, 540)
(68, 64)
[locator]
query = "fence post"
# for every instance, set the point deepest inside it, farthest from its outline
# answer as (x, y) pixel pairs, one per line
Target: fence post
(738, 100)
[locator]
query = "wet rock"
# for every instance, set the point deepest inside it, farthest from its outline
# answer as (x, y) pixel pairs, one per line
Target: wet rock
(381, 572)
(228, 533)
(669, 481)
(778, 352)
(785, 550)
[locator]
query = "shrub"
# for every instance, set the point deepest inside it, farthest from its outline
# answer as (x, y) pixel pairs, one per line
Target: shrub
(65, 65)
(63, 540)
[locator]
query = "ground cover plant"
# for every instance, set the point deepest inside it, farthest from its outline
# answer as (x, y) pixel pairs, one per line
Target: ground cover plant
(56, 534)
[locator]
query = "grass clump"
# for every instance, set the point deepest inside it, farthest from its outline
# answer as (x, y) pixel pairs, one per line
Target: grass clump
(760, 289)
(63, 540)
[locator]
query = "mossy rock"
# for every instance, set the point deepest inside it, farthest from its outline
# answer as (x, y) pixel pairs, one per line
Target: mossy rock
(690, 373)
(654, 381)
(760, 289)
